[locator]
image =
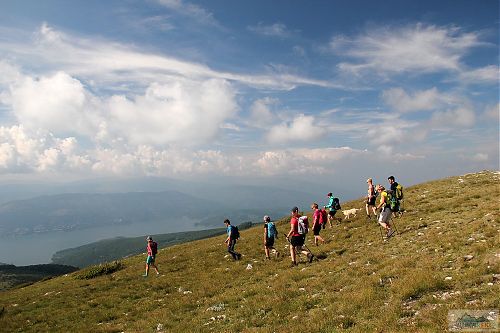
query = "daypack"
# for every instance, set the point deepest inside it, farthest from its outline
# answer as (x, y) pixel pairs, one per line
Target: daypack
(392, 201)
(336, 204)
(271, 230)
(303, 225)
(235, 233)
(323, 217)
(154, 248)
(399, 192)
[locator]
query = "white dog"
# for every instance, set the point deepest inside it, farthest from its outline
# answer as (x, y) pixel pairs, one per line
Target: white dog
(349, 212)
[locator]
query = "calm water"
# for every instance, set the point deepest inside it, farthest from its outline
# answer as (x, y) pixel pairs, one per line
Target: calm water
(39, 248)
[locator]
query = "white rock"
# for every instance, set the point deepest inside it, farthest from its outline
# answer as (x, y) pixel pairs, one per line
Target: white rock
(468, 257)
(448, 278)
(159, 327)
(249, 266)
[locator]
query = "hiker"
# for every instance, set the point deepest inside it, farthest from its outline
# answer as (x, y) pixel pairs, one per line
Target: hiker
(152, 250)
(370, 199)
(297, 239)
(333, 206)
(232, 235)
(317, 223)
(270, 234)
(385, 214)
(397, 192)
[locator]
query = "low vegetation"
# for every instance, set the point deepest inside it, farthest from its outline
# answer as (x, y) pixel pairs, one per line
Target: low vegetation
(99, 270)
(445, 256)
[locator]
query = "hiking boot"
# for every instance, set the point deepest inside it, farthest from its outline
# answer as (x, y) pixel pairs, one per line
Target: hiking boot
(293, 264)
(145, 275)
(238, 256)
(310, 256)
(390, 233)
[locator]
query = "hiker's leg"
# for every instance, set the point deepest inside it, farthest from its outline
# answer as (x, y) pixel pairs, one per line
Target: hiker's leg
(374, 210)
(316, 240)
(266, 250)
(147, 269)
(230, 248)
(292, 254)
(156, 268)
(367, 207)
(321, 239)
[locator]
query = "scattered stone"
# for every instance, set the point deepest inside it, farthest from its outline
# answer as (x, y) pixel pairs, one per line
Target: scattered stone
(249, 266)
(468, 257)
(496, 278)
(217, 307)
(420, 234)
(448, 278)
(423, 225)
(295, 317)
(187, 292)
(470, 239)
(302, 289)
(159, 327)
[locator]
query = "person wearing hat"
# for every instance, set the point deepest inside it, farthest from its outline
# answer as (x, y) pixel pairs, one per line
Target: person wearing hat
(270, 234)
(152, 249)
(370, 199)
(317, 222)
(232, 236)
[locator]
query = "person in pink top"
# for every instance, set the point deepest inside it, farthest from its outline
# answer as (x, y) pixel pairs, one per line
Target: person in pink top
(317, 224)
(296, 240)
(152, 249)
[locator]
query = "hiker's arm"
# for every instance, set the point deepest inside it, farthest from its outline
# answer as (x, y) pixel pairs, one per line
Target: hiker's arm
(290, 232)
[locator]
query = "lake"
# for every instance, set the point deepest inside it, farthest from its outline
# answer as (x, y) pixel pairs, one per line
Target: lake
(39, 248)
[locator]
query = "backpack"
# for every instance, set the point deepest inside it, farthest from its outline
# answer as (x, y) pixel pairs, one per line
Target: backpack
(323, 217)
(399, 192)
(235, 233)
(303, 225)
(336, 204)
(271, 230)
(154, 248)
(392, 201)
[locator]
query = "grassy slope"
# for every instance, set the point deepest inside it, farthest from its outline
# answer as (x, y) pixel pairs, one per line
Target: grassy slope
(363, 284)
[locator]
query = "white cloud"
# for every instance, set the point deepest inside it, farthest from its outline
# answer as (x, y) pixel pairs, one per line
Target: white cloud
(417, 49)
(492, 112)
(488, 74)
(273, 30)
(461, 117)
(301, 129)
(107, 63)
(423, 100)
(261, 114)
(196, 12)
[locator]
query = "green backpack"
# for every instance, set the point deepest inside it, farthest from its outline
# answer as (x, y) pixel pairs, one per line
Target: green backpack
(392, 200)
(399, 192)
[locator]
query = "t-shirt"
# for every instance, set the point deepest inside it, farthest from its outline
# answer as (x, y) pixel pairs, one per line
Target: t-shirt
(149, 248)
(393, 187)
(317, 216)
(265, 229)
(229, 230)
(294, 222)
(384, 198)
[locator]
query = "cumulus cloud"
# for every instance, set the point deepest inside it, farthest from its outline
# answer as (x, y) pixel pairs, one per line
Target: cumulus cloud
(301, 129)
(415, 48)
(260, 112)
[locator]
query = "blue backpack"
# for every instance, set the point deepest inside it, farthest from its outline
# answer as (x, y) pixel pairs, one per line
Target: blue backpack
(271, 230)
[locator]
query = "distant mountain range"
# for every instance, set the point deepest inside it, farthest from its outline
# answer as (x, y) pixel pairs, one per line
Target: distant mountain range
(73, 211)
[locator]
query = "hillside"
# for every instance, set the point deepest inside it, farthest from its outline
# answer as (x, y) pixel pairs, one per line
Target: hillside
(116, 248)
(446, 256)
(11, 276)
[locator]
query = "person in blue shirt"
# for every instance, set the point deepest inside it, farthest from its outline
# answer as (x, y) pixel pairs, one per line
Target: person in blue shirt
(332, 211)
(232, 236)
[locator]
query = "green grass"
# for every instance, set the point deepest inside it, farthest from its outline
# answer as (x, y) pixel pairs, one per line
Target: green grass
(361, 284)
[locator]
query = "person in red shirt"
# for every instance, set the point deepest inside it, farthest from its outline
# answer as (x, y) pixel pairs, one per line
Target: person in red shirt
(317, 224)
(296, 240)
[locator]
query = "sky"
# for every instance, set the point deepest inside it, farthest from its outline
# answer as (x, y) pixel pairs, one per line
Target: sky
(320, 91)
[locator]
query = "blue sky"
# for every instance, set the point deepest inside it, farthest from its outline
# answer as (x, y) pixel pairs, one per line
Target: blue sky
(337, 90)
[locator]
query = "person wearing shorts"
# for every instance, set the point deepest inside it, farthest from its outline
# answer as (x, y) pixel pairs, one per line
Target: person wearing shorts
(268, 241)
(296, 240)
(385, 214)
(332, 211)
(150, 260)
(316, 224)
(370, 199)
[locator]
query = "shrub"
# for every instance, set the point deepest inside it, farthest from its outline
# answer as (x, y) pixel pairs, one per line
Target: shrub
(98, 270)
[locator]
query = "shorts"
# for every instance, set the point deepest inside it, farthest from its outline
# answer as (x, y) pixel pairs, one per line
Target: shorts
(371, 201)
(150, 260)
(385, 215)
(269, 242)
(297, 240)
(317, 229)
(332, 212)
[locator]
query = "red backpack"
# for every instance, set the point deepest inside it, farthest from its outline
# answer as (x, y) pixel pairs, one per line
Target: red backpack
(323, 216)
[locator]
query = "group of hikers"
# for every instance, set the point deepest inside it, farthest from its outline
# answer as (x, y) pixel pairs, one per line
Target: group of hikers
(390, 205)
